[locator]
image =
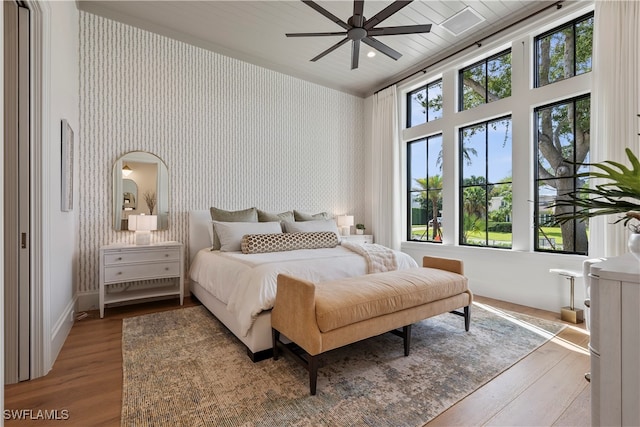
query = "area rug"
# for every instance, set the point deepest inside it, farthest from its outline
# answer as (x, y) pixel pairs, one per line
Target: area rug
(184, 368)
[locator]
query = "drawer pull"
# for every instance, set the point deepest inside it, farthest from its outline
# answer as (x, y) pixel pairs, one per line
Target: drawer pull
(166, 268)
(166, 255)
(119, 258)
(119, 273)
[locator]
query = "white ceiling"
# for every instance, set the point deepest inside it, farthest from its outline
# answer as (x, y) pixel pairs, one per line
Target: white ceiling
(254, 31)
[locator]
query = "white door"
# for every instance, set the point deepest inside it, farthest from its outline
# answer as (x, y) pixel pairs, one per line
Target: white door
(16, 193)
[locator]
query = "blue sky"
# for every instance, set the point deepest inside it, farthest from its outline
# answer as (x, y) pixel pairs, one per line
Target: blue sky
(500, 154)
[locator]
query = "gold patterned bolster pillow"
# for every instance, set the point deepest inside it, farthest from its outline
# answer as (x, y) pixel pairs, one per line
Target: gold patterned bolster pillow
(279, 242)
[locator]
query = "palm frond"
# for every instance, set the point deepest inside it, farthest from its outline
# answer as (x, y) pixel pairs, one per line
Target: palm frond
(619, 195)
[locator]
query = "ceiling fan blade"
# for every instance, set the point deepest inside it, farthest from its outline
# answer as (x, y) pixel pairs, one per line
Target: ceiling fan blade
(326, 13)
(355, 54)
(407, 29)
(358, 18)
(385, 13)
(383, 48)
(358, 6)
(331, 49)
(339, 33)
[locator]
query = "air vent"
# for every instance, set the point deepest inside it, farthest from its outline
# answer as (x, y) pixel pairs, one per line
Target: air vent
(462, 21)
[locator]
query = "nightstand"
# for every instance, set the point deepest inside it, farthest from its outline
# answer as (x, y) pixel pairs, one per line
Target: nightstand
(120, 263)
(358, 238)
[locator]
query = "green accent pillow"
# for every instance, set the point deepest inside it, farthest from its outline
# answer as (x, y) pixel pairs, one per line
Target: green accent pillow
(246, 215)
(270, 217)
(301, 216)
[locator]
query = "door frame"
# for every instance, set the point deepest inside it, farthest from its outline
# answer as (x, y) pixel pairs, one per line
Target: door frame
(41, 361)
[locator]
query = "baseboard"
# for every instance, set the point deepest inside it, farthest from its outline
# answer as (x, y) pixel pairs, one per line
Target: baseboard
(88, 301)
(61, 330)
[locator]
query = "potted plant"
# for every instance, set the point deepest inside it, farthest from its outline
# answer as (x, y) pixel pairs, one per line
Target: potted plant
(619, 193)
(150, 200)
(360, 228)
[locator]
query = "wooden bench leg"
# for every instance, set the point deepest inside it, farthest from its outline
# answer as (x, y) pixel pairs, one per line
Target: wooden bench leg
(466, 315)
(467, 318)
(406, 332)
(313, 374)
(275, 337)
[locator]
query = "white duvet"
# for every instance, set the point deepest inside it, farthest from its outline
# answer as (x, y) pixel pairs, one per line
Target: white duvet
(247, 282)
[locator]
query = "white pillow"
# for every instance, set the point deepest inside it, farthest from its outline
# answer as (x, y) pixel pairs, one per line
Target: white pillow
(311, 226)
(211, 232)
(231, 233)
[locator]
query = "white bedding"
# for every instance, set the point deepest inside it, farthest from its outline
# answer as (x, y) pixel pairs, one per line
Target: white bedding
(247, 282)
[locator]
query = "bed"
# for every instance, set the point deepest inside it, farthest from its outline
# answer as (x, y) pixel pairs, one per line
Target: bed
(239, 289)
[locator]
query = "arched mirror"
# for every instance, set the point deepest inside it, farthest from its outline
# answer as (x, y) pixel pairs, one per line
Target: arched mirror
(140, 186)
(129, 194)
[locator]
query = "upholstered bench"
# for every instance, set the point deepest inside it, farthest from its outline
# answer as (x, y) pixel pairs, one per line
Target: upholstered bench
(324, 316)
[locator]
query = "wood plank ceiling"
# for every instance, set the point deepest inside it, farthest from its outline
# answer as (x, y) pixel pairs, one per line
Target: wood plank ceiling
(254, 31)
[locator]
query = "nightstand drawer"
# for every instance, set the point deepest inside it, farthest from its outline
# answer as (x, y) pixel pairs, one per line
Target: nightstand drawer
(130, 272)
(358, 238)
(128, 257)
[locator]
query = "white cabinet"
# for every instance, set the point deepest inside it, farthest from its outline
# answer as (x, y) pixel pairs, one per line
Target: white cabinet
(120, 264)
(615, 342)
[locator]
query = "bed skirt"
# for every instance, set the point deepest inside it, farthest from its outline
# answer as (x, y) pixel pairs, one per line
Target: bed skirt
(257, 341)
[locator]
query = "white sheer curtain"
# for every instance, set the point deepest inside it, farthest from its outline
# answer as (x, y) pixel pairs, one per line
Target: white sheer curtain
(614, 104)
(386, 214)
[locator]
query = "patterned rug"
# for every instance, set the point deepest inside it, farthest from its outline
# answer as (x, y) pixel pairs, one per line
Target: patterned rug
(183, 368)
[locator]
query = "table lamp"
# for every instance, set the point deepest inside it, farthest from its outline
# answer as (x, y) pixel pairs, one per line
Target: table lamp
(142, 225)
(345, 222)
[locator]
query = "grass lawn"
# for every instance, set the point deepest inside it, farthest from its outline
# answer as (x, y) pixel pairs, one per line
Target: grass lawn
(495, 238)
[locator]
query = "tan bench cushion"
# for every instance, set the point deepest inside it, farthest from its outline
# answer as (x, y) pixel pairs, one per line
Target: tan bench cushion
(344, 302)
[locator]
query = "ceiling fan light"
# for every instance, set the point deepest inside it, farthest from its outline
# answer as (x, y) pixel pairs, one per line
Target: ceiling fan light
(462, 21)
(371, 54)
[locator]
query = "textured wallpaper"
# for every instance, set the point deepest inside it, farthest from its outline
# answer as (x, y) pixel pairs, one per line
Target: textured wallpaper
(233, 135)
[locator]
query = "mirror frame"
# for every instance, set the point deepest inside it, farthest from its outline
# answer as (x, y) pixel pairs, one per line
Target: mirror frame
(161, 190)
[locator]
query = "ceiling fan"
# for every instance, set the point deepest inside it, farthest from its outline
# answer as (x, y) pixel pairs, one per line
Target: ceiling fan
(359, 29)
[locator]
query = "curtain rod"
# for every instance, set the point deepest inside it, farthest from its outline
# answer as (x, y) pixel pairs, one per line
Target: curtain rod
(478, 43)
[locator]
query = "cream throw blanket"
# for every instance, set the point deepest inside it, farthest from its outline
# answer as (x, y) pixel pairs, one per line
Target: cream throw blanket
(379, 258)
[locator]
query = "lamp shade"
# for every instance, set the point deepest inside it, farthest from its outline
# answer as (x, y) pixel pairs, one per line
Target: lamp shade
(143, 222)
(126, 171)
(345, 221)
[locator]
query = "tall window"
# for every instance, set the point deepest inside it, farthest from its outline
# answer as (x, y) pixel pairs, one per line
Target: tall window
(424, 104)
(485, 81)
(486, 191)
(565, 51)
(562, 142)
(425, 189)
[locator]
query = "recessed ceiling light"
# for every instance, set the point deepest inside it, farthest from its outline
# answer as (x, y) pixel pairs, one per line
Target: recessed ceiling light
(371, 54)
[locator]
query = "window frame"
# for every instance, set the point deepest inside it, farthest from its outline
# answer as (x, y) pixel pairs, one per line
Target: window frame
(408, 99)
(523, 64)
(410, 192)
(484, 62)
(569, 24)
(487, 185)
(536, 178)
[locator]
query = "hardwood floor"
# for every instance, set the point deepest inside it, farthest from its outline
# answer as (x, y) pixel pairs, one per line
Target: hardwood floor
(545, 388)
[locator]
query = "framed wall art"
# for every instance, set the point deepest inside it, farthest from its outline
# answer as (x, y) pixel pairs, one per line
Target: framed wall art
(66, 167)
